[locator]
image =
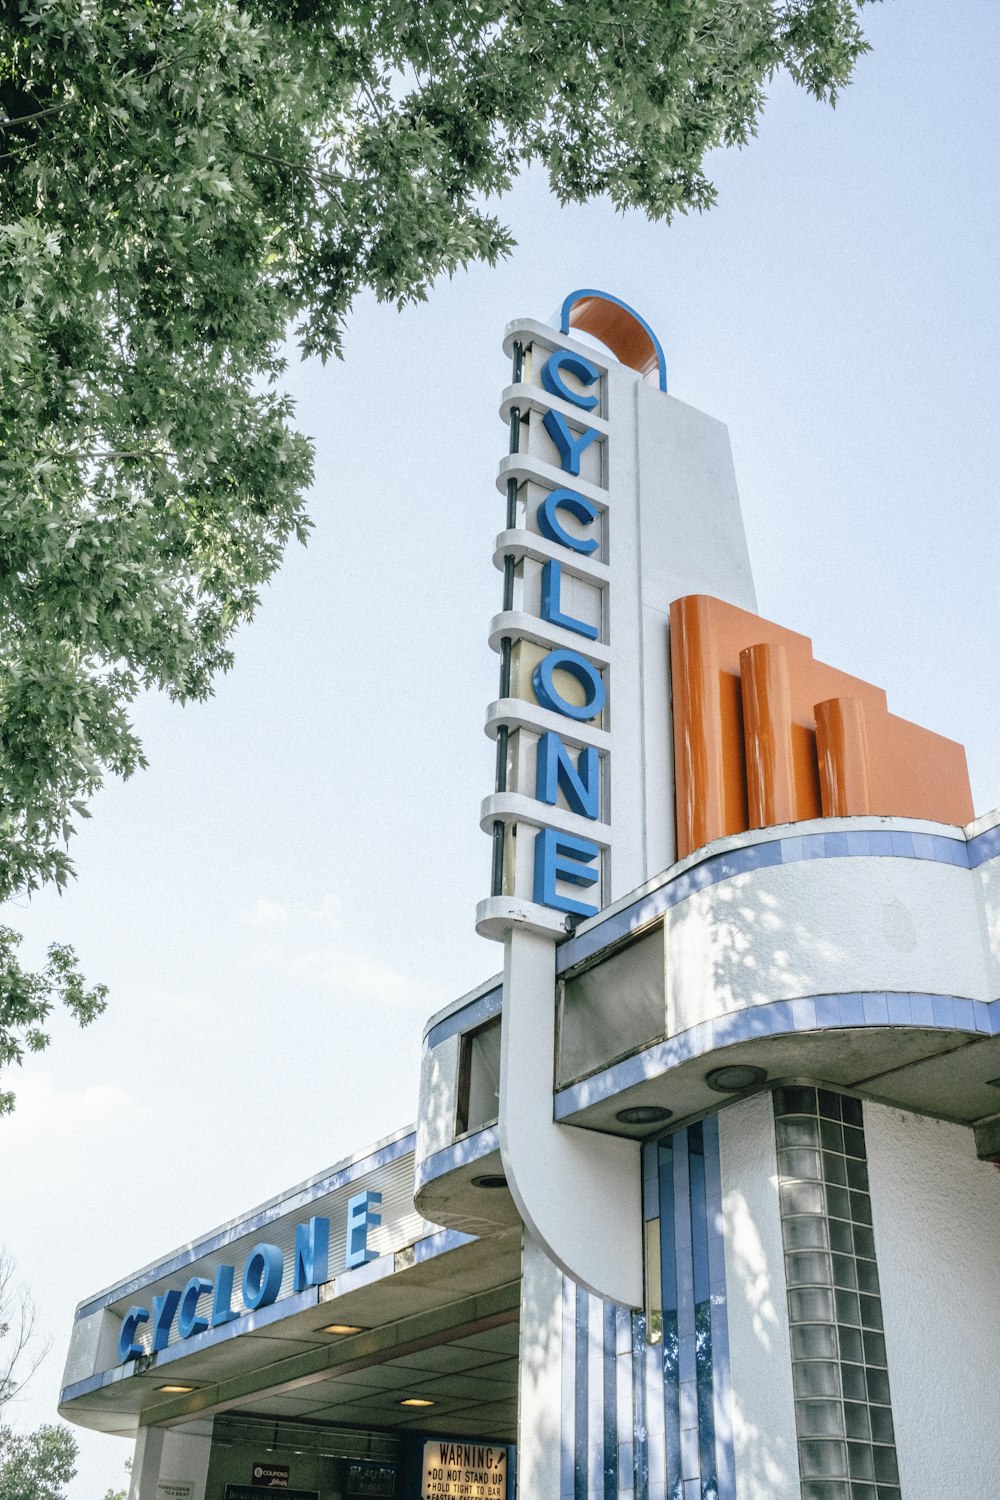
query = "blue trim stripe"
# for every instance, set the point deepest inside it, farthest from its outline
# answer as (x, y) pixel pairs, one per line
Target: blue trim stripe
(469, 1149)
(856, 844)
(260, 1220)
(722, 1382)
(471, 1015)
(581, 1372)
(984, 846)
(610, 1343)
(644, 1421)
(437, 1244)
(582, 292)
(809, 1013)
(567, 1451)
(670, 1294)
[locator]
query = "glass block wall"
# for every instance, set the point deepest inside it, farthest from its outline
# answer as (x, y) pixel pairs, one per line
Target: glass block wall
(843, 1411)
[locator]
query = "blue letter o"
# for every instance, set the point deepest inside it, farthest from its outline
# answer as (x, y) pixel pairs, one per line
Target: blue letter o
(262, 1276)
(586, 675)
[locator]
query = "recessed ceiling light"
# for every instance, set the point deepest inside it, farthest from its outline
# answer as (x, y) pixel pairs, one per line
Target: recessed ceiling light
(176, 1390)
(342, 1328)
(416, 1401)
(490, 1181)
(643, 1114)
(734, 1078)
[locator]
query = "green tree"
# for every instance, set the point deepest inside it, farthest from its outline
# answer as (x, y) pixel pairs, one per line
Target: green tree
(36, 1465)
(182, 184)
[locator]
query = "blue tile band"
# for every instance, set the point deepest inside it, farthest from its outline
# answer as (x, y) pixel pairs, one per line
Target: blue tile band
(474, 1014)
(469, 1149)
(808, 1013)
(851, 844)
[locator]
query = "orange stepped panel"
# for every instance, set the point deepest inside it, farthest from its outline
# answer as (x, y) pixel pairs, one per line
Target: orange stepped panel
(765, 734)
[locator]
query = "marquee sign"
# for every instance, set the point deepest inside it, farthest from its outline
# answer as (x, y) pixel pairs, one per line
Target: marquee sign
(204, 1303)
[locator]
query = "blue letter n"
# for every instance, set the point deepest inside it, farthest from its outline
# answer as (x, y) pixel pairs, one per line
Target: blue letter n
(312, 1253)
(581, 783)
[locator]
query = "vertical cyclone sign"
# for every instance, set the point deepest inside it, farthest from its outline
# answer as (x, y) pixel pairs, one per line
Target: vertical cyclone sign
(549, 814)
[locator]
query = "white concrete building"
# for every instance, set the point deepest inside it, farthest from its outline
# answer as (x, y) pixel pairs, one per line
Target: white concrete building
(701, 1203)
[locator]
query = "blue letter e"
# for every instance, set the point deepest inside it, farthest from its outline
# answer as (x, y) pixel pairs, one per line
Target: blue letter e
(361, 1217)
(562, 856)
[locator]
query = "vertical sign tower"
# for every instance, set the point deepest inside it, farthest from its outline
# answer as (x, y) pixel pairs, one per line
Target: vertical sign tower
(620, 499)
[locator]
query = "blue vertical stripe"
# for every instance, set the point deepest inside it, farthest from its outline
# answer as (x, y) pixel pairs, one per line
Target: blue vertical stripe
(582, 1391)
(640, 1452)
(702, 1315)
(670, 1293)
(648, 1421)
(610, 1401)
(725, 1467)
(568, 1443)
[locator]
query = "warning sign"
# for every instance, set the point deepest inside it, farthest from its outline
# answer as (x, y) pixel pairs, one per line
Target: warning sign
(464, 1471)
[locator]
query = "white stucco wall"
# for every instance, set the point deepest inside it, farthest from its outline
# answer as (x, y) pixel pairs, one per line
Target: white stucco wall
(767, 1465)
(438, 1097)
(936, 1212)
(826, 926)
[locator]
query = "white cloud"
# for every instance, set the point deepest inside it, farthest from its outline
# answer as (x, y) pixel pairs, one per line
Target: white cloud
(307, 943)
(42, 1106)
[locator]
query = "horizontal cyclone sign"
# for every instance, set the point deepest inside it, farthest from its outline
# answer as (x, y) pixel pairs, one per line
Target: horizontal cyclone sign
(205, 1303)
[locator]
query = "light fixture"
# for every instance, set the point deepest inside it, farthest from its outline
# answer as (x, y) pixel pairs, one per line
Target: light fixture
(734, 1078)
(490, 1181)
(342, 1328)
(176, 1390)
(417, 1401)
(643, 1114)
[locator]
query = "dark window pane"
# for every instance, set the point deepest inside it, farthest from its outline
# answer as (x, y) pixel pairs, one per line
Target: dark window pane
(845, 1273)
(857, 1174)
(795, 1101)
(864, 1242)
(835, 1168)
(851, 1110)
(886, 1470)
(852, 1349)
(856, 1419)
(841, 1237)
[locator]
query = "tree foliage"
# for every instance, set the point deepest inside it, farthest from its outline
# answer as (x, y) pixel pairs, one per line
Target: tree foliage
(185, 180)
(34, 1465)
(37, 1465)
(19, 1352)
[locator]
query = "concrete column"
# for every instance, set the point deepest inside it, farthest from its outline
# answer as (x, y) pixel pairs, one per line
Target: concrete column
(539, 1416)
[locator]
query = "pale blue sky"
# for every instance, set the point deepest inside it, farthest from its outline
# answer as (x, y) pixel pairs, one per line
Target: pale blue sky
(276, 903)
